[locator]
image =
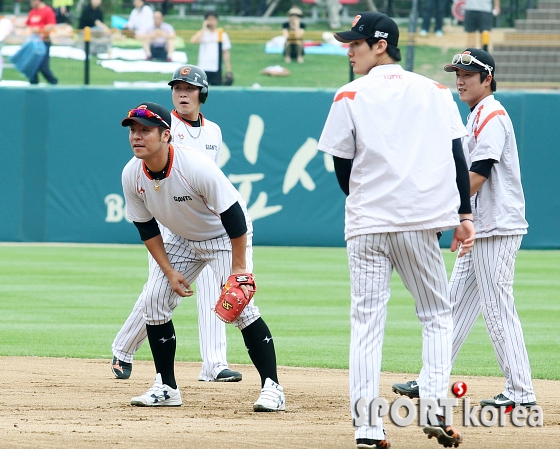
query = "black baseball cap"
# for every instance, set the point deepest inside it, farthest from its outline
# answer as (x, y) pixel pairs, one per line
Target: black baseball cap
(141, 114)
(371, 24)
(483, 62)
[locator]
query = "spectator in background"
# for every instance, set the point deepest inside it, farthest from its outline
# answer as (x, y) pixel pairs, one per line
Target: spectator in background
(208, 57)
(41, 20)
(141, 19)
(246, 8)
(159, 42)
(433, 8)
(293, 31)
(62, 10)
(92, 16)
(479, 16)
(333, 8)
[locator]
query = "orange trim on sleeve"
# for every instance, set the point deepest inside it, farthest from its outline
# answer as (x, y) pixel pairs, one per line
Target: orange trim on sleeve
(441, 86)
(479, 129)
(341, 95)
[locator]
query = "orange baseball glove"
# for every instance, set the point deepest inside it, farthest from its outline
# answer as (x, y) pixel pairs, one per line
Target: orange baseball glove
(233, 298)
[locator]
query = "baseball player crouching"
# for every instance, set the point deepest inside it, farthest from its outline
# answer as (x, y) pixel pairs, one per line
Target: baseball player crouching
(189, 90)
(482, 281)
(207, 224)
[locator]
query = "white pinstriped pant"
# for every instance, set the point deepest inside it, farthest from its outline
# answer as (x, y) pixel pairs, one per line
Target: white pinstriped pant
(483, 281)
(192, 259)
(417, 258)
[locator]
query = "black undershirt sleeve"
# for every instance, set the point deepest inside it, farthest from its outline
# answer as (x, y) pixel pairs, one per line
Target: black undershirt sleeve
(233, 221)
(463, 181)
(483, 168)
(342, 168)
(148, 229)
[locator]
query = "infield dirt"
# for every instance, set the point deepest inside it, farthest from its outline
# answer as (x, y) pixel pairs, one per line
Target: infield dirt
(77, 403)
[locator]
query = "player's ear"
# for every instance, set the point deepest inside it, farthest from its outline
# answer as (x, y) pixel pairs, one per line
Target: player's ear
(381, 45)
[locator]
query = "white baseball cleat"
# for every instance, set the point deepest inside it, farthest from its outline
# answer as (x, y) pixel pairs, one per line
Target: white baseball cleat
(159, 395)
(272, 398)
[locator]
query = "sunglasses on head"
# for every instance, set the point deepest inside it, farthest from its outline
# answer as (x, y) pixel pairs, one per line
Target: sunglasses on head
(466, 59)
(145, 113)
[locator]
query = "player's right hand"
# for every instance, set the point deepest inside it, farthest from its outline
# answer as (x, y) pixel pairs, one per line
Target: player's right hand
(179, 284)
(463, 238)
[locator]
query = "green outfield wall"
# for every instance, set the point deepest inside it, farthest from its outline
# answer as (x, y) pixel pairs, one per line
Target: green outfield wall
(63, 150)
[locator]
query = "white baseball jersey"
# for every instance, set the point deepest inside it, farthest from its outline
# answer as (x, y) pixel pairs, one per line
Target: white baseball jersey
(189, 199)
(208, 50)
(365, 124)
(499, 206)
(206, 138)
(188, 203)
(212, 331)
(398, 128)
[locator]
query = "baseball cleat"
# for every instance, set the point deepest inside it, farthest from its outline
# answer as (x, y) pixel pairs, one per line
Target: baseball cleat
(159, 395)
(366, 443)
(272, 398)
(502, 401)
(121, 370)
(228, 375)
(410, 389)
(446, 435)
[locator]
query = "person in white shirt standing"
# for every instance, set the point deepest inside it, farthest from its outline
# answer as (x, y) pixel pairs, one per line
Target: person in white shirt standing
(141, 19)
(483, 279)
(395, 139)
(206, 224)
(209, 38)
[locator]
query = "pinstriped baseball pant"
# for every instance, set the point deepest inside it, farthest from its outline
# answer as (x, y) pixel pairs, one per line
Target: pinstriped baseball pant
(483, 281)
(190, 258)
(417, 258)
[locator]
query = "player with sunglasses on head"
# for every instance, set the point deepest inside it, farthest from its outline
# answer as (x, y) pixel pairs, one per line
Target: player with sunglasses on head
(206, 223)
(483, 279)
(189, 90)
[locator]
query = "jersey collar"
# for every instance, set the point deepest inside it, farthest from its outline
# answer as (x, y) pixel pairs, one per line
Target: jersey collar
(171, 158)
(176, 114)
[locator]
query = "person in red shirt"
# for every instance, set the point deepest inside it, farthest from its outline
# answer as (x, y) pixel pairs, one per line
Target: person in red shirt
(41, 20)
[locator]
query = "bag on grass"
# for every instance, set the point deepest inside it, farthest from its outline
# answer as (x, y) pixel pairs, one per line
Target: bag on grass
(29, 57)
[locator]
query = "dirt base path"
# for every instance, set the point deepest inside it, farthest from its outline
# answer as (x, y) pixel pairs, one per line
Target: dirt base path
(77, 403)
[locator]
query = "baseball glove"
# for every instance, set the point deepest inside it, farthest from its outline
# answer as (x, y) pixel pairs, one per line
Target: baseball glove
(233, 299)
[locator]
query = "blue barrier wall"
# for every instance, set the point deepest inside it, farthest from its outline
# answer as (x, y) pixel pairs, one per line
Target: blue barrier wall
(63, 151)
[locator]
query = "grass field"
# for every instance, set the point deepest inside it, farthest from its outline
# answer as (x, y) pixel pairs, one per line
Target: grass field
(70, 301)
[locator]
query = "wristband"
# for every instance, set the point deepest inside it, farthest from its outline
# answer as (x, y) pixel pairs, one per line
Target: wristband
(466, 219)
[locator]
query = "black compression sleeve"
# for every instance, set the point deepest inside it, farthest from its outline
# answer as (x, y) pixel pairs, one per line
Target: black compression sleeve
(233, 221)
(483, 168)
(463, 181)
(147, 229)
(342, 168)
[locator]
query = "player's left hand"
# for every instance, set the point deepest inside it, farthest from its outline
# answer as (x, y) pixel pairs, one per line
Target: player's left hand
(236, 294)
(463, 237)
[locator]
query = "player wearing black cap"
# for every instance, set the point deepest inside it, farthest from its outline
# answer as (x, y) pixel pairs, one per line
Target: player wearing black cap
(395, 137)
(206, 223)
(189, 127)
